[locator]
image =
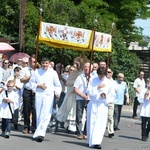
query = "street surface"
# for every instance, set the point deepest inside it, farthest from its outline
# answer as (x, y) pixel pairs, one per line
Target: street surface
(127, 138)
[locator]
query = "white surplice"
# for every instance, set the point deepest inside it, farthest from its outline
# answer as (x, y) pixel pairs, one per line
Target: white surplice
(69, 104)
(44, 98)
(145, 104)
(4, 110)
(97, 110)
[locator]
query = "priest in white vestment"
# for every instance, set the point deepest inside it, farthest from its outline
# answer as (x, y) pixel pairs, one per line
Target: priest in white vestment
(45, 83)
(99, 91)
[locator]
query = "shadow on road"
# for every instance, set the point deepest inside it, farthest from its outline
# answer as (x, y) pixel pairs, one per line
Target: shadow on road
(76, 143)
(129, 137)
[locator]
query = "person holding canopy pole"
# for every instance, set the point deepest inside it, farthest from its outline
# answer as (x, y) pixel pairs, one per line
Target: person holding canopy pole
(99, 91)
(74, 38)
(44, 92)
(44, 96)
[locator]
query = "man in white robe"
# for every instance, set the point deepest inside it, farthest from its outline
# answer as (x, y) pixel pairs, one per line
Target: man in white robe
(44, 82)
(99, 91)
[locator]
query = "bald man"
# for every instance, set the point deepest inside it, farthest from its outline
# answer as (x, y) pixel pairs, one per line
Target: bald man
(122, 90)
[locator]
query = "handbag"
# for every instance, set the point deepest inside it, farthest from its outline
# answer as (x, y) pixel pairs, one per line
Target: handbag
(12, 120)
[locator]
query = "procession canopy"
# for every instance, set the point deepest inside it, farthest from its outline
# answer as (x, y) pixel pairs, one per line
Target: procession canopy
(62, 36)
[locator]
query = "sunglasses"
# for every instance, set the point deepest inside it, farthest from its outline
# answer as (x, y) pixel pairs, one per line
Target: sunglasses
(108, 71)
(71, 70)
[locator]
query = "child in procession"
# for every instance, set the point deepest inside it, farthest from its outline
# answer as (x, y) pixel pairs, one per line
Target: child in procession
(8, 103)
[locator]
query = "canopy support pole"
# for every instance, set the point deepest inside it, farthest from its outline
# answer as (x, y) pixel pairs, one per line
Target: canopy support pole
(108, 58)
(37, 40)
(92, 50)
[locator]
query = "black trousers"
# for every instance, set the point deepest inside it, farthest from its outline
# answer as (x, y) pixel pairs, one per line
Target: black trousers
(29, 107)
(145, 126)
(135, 106)
(61, 99)
(117, 115)
(80, 106)
(16, 115)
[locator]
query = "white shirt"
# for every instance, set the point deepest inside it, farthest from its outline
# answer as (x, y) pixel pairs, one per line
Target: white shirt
(6, 73)
(19, 85)
(0, 74)
(81, 84)
(48, 77)
(113, 89)
(26, 72)
(140, 84)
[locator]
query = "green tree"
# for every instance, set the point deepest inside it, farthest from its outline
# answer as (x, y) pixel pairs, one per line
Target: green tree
(79, 14)
(9, 19)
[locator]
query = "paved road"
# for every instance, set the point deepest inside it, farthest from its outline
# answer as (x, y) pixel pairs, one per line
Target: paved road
(128, 138)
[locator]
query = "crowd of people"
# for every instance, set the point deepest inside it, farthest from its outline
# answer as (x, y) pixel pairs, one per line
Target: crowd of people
(85, 97)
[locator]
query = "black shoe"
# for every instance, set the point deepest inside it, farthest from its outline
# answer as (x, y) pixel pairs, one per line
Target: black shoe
(15, 126)
(40, 139)
(97, 146)
(67, 130)
(116, 128)
(33, 131)
(7, 135)
(147, 135)
(144, 138)
(111, 135)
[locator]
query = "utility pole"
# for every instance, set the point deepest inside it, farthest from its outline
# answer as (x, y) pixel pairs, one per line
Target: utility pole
(22, 26)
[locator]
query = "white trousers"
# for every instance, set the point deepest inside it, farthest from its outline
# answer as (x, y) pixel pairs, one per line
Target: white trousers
(110, 125)
(44, 106)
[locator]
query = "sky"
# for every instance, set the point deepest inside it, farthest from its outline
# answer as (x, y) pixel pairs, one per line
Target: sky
(145, 24)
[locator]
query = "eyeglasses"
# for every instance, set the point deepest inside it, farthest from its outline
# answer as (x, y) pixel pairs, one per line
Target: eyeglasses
(6, 63)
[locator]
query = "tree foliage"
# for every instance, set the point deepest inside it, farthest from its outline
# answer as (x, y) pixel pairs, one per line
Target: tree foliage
(81, 14)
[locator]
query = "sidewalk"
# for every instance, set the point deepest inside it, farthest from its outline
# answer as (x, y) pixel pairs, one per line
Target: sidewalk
(127, 108)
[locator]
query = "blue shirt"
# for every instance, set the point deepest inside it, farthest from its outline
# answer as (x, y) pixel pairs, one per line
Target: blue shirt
(122, 89)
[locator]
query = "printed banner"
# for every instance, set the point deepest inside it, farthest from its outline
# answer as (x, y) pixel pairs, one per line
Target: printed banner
(61, 36)
(102, 42)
